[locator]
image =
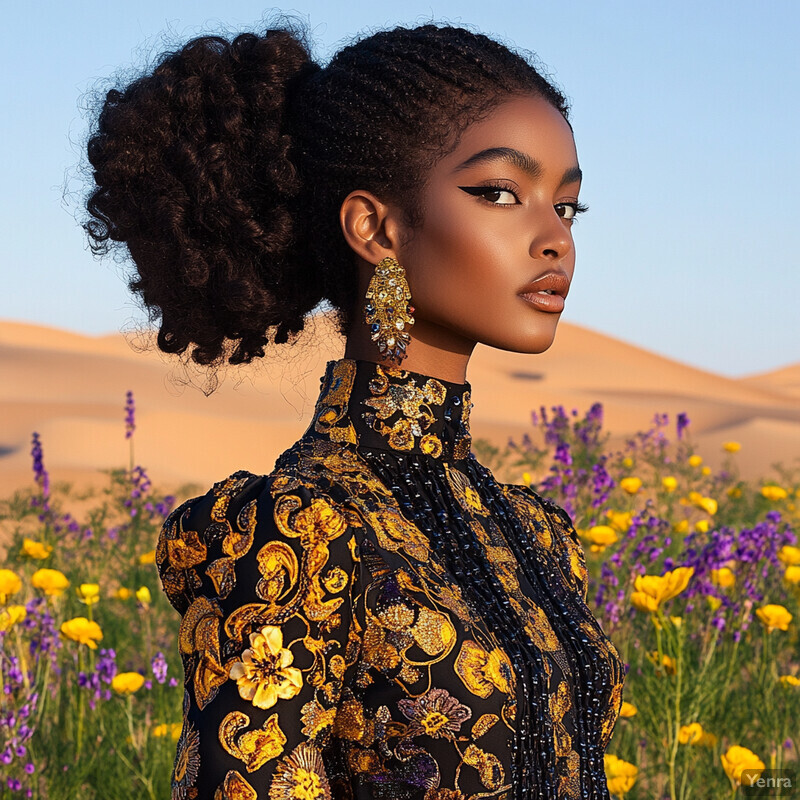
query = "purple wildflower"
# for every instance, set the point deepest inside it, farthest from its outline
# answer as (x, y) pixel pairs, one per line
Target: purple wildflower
(39, 471)
(159, 666)
(130, 410)
(683, 422)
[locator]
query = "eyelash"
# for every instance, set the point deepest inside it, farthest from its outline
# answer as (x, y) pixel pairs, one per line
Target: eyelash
(479, 191)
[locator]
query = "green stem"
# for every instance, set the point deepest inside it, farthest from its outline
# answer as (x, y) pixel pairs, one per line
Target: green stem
(146, 782)
(674, 751)
(80, 707)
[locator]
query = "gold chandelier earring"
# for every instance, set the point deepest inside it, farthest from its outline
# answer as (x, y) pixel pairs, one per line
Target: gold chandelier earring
(387, 310)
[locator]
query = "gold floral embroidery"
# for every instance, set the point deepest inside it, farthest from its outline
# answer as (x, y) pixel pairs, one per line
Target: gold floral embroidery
(317, 720)
(482, 672)
(332, 404)
(256, 747)
(235, 787)
(488, 766)
(406, 399)
(437, 713)
(483, 724)
(199, 635)
(264, 674)
(300, 776)
(463, 490)
(187, 759)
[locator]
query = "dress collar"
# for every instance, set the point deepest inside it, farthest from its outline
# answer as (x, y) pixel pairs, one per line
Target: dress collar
(389, 408)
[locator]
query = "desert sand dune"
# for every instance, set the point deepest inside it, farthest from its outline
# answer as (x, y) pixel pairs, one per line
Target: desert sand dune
(71, 389)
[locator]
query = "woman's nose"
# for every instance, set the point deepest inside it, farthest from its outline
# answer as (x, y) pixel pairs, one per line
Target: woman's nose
(552, 238)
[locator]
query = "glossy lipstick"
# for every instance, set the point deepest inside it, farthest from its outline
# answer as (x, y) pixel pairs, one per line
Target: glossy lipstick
(556, 282)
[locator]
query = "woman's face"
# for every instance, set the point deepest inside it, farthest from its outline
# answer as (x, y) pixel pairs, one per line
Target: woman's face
(497, 214)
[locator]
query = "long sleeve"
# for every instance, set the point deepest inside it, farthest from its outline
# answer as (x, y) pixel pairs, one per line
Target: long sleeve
(263, 573)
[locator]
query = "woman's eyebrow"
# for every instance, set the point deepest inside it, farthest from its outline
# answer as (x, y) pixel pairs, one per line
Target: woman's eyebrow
(518, 159)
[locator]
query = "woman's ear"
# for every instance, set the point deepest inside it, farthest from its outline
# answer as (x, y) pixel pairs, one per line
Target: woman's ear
(369, 226)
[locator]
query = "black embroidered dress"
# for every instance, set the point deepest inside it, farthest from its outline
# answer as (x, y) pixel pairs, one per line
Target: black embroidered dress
(380, 618)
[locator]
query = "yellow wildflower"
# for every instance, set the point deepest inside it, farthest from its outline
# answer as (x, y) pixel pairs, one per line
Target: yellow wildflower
(653, 590)
(143, 595)
(264, 674)
(706, 470)
(148, 558)
(620, 775)
(774, 616)
(619, 520)
(708, 504)
(37, 550)
(631, 485)
(628, 710)
(738, 759)
(669, 483)
(627, 462)
(734, 492)
(123, 593)
(691, 733)
(789, 554)
(713, 602)
(600, 537)
(723, 577)
(127, 682)
(773, 492)
(708, 739)
(792, 574)
(83, 631)
(789, 680)
(666, 662)
(174, 730)
(731, 447)
(51, 581)
(11, 615)
(702, 526)
(526, 478)
(10, 583)
(681, 527)
(88, 593)
(695, 461)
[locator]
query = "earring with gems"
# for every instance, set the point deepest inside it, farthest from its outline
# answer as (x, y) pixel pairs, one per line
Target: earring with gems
(387, 310)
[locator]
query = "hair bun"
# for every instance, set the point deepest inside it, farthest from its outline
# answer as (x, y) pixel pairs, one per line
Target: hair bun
(193, 173)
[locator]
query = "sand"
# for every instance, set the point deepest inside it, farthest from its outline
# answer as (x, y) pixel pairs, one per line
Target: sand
(71, 389)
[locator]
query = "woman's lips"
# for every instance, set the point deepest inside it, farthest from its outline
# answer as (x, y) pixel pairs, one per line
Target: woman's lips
(544, 302)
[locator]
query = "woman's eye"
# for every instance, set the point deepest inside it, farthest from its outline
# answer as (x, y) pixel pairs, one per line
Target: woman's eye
(494, 194)
(570, 210)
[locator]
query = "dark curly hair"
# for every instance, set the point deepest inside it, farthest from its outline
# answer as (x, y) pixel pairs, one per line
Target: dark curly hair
(223, 169)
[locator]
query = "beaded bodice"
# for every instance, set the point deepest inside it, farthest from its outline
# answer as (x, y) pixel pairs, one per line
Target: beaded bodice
(380, 618)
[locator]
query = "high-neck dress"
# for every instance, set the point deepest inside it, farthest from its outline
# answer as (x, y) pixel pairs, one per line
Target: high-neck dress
(380, 618)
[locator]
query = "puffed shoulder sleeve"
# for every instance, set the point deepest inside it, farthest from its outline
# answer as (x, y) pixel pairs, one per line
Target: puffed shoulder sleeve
(263, 572)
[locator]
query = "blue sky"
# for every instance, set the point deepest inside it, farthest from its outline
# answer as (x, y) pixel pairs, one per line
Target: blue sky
(686, 117)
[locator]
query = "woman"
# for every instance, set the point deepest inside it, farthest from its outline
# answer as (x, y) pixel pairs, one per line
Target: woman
(378, 617)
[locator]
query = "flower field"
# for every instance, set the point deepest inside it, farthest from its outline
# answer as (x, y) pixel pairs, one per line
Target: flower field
(695, 576)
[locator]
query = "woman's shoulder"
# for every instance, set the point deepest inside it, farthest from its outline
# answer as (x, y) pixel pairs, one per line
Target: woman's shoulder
(202, 539)
(552, 525)
(530, 502)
